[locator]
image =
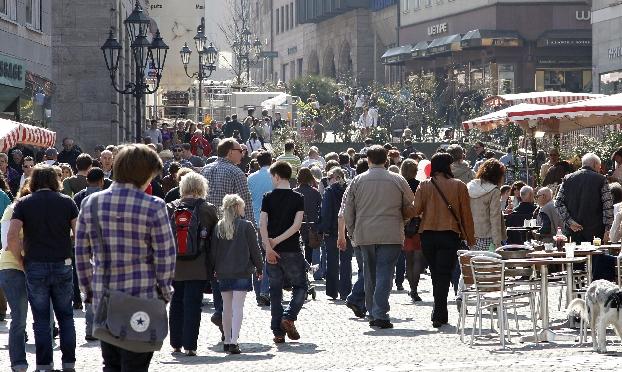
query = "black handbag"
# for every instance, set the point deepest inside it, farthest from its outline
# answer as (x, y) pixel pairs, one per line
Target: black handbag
(463, 244)
(411, 228)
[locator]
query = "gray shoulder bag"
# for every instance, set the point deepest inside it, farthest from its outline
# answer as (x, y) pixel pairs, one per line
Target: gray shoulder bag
(132, 323)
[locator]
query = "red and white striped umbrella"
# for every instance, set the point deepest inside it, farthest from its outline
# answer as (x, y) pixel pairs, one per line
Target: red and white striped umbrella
(590, 113)
(539, 98)
(13, 133)
(495, 119)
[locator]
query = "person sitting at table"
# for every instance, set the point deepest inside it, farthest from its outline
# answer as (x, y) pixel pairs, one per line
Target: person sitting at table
(616, 227)
(547, 215)
(526, 205)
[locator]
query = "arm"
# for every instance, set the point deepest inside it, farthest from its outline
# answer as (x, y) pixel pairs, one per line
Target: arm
(84, 250)
(349, 210)
(616, 228)
(14, 243)
(341, 223)
(294, 228)
(271, 255)
(607, 201)
(163, 247)
(560, 205)
(466, 217)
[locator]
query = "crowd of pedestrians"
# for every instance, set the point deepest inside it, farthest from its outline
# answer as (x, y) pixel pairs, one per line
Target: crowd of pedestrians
(174, 219)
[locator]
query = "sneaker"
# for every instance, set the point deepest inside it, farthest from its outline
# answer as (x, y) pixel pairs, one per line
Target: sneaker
(358, 312)
(290, 328)
(217, 321)
(381, 323)
(234, 349)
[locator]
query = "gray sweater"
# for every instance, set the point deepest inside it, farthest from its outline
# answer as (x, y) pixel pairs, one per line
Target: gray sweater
(237, 258)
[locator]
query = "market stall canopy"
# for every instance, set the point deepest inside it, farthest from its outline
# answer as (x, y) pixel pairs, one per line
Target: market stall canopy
(496, 119)
(445, 44)
(279, 100)
(496, 38)
(419, 49)
(540, 98)
(606, 110)
(396, 55)
(13, 133)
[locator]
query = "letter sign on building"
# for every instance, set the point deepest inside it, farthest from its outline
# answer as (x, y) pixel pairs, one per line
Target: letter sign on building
(583, 15)
(440, 28)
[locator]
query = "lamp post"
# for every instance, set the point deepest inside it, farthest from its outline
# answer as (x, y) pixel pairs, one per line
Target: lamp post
(144, 53)
(207, 61)
(243, 46)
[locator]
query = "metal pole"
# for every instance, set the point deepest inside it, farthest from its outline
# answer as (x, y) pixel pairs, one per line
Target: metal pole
(138, 94)
(199, 110)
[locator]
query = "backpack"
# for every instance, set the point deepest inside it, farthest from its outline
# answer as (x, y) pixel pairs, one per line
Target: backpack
(190, 236)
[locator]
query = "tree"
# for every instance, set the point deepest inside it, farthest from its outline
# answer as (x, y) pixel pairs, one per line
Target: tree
(235, 26)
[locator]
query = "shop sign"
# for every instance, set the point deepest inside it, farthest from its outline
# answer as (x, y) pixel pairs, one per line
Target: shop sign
(12, 72)
(438, 29)
(614, 53)
(567, 42)
(292, 50)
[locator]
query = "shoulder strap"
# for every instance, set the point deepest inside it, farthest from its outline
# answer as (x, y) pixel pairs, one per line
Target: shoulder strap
(100, 240)
(449, 206)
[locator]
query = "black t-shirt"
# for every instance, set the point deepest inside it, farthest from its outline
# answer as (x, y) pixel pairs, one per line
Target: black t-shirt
(47, 217)
(281, 205)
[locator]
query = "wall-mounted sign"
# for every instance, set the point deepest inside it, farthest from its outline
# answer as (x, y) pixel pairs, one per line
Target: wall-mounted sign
(12, 72)
(564, 42)
(292, 50)
(614, 53)
(583, 15)
(438, 29)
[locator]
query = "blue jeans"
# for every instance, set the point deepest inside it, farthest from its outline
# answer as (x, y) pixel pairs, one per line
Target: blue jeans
(293, 268)
(338, 269)
(261, 287)
(185, 313)
(357, 296)
(52, 281)
(13, 282)
(379, 262)
(400, 269)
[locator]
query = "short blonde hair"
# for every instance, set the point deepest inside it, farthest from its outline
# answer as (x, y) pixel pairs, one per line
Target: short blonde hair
(193, 184)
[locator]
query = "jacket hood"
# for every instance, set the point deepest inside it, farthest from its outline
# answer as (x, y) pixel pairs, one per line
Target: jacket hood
(477, 188)
(460, 169)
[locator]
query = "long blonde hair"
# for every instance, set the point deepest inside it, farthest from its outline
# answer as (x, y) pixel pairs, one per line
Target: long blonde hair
(226, 226)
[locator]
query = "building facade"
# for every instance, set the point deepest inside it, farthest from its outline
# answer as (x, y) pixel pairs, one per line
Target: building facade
(86, 107)
(518, 46)
(26, 89)
(338, 39)
(607, 46)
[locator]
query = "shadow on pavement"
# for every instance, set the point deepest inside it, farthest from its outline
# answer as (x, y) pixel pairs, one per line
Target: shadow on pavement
(396, 332)
(299, 348)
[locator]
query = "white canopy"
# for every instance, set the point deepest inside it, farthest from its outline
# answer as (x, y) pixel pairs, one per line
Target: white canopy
(539, 98)
(13, 132)
(496, 119)
(279, 100)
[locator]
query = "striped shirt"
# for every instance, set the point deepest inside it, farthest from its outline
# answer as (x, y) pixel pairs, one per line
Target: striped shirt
(293, 160)
(138, 237)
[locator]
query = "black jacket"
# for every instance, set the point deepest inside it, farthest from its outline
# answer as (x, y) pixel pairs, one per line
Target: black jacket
(331, 202)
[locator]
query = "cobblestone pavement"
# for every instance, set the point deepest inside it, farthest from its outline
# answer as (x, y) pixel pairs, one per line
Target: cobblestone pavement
(333, 339)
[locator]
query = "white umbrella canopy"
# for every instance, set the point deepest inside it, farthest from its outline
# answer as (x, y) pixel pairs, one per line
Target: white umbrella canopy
(539, 98)
(13, 132)
(496, 119)
(606, 110)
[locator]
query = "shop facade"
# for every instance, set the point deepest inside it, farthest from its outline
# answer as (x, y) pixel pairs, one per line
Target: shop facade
(607, 46)
(508, 46)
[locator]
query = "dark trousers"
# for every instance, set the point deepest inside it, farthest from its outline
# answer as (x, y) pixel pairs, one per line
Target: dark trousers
(415, 264)
(121, 360)
(400, 269)
(76, 287)
(338, 269)
(185, 313)
(440, 249)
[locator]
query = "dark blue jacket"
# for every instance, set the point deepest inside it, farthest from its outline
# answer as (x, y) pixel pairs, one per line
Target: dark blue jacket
(331, 202)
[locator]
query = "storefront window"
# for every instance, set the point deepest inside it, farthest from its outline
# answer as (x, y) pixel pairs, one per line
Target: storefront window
(611, 82)
(564, 80)
(506, 78)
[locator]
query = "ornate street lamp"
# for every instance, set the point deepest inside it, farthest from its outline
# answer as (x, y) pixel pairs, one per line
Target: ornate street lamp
(207, 61)
(145, 54)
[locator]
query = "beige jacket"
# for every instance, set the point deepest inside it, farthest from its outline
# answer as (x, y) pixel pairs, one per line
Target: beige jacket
(373, 207)
(486, 211)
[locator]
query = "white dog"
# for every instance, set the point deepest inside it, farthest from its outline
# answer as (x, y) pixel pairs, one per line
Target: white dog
(601, 308)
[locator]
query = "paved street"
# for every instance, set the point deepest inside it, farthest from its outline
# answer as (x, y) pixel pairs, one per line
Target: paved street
(332, 339)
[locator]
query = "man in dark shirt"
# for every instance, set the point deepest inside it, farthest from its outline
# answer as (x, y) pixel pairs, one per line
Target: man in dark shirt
(233, 126)
(285, 261)
(95, 182)
(70, 153)
(47, 217)
(526, 206)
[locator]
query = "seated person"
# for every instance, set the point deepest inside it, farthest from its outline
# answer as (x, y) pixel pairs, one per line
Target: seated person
(547, 215)
(526, 205)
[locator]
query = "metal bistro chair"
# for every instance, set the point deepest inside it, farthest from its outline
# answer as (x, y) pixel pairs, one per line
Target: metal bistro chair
(490, 292)
(467, 285)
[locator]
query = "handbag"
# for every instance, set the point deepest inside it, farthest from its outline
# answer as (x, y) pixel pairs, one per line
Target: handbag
(411, 228)
(463, 244)
(315, 238)
(132, 323)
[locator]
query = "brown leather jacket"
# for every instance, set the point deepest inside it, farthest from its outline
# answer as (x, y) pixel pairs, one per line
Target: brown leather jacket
(435, 216)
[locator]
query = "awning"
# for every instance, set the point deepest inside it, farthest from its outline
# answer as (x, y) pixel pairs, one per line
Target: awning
(396, 55)
(13, 132)
(590, 113)
(484, 38)
(496, 119)
(540, 98)
(445, 44)
(565, 38)
(419, 50)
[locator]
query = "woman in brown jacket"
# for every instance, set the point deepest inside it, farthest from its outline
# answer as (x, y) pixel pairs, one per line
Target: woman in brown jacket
(441, 232)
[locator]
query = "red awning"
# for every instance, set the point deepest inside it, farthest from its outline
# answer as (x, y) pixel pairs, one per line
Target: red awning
(13, 133)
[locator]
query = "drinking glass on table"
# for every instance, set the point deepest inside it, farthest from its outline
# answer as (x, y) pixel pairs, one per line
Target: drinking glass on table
(570, 247)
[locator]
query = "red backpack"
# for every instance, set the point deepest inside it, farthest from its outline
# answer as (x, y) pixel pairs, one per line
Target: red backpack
(189, 234)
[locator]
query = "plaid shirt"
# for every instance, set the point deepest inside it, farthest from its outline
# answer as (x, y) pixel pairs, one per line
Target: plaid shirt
(136, 230)
(224, 178)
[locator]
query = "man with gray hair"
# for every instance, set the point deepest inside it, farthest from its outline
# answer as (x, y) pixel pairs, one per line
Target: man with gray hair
(460, 168)
(547, 215)
(526, 205)
(584, 202)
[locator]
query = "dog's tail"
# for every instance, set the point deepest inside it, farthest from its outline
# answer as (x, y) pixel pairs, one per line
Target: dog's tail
(578, 306)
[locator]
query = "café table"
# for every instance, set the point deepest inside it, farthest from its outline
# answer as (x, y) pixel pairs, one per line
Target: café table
(545, 334)
(612, 249)
(580, 251)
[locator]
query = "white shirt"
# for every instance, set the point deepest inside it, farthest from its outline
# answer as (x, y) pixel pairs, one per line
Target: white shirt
(360, 101)
(308, 162)
(253, 145)
(615, 234)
